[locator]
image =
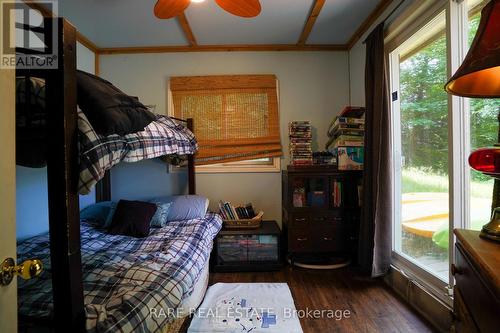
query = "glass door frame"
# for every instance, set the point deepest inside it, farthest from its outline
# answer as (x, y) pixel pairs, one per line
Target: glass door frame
(458, 143)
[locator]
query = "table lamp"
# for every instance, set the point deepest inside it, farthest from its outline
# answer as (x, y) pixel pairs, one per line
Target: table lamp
(479, 77)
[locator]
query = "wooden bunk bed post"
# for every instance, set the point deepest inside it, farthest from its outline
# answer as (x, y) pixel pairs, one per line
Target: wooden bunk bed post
(62, 174)
(103, 188)
(191, 174)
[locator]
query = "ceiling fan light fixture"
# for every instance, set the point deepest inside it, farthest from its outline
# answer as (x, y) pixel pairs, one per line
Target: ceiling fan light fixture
(166, 9)
(241, 8)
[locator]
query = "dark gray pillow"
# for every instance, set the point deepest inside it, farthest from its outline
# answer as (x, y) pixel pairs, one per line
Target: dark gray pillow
(132, 218)
(109, 110)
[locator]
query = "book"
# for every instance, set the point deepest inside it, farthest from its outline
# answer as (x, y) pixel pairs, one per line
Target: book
(231, 212)
(337, 194)
(333, 130)
(349, 131)
(347, 120)
(345, 141)
(353, 112)
(250, 210)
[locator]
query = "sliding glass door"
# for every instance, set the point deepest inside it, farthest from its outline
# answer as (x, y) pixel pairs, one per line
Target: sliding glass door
(420, 138)
(433, 134)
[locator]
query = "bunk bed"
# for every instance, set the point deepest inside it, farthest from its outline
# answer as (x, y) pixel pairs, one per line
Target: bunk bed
(97, 281)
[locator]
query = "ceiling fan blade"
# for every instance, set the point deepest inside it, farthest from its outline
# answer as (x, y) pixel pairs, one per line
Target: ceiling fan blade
(165, 9)
(243, 8)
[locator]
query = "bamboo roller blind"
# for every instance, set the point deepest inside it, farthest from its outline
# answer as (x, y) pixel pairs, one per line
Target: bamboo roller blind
(235, 116)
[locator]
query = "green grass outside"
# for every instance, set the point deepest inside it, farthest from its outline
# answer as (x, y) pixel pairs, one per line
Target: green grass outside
(418, 180)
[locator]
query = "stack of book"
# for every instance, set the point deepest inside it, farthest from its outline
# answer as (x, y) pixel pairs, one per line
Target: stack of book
(300, 143)
(346, 138)
(241, 212)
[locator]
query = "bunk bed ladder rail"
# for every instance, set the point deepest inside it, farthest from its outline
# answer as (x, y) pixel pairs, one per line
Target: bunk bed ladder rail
(62, 180)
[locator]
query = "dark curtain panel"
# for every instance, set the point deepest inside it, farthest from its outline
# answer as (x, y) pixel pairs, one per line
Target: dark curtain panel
(375, 229)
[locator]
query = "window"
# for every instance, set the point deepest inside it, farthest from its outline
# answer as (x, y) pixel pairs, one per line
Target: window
(267, 164)
(235, 118)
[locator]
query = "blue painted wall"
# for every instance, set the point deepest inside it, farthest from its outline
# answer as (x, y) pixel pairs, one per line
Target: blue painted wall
(31, 202)
(32, 216)
(132, 181)
(145, 179)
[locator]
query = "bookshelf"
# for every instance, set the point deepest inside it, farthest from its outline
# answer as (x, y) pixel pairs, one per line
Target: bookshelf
(321, 212)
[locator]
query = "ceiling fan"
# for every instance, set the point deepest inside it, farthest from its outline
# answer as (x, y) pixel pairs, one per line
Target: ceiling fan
(165, 9)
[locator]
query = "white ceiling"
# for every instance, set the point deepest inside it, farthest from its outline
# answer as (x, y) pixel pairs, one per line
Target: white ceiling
(126, 23)
(339, 19)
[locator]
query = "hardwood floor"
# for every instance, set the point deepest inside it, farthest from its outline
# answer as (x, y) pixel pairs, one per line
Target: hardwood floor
(372, 305)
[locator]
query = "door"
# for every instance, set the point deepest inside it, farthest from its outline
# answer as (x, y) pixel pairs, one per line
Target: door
(421, 163)
(8, 294)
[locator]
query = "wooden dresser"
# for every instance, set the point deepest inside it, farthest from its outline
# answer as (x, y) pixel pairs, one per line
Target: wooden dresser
(321, 210)
(477, 289)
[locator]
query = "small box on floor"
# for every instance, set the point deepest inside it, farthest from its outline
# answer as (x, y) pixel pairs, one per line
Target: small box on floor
(350, 158)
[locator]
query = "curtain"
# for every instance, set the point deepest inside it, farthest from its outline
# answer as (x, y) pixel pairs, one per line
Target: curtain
(235, 116)
(375, 241)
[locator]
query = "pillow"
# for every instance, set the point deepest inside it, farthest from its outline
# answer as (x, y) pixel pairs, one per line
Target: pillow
(184, 207)
(100, 212)
(132, 218)
(109, 110)
(160, 218)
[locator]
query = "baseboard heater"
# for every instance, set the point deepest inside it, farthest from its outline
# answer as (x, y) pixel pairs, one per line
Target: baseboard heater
(439, 314)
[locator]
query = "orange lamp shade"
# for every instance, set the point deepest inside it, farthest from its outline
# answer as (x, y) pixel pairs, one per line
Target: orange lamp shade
(479, 74)
(486, 160)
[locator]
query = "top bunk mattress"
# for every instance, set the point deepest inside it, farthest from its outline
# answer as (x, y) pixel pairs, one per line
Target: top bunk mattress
(125, 277)
(100, 153)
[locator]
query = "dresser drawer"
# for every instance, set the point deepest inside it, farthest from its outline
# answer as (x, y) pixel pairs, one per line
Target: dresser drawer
(327, 219)
(318, 239)
(308, 220)
(331, 239)
(300, 240)
(481, 302)
(299, 220)
(463, 322)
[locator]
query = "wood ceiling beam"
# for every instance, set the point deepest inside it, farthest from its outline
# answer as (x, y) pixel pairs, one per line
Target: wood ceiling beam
(187, 29)
(194, 47)
(367, 23)
(224, 48)
(313, 15)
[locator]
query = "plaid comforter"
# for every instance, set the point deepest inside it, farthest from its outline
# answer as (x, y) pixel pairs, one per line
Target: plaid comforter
(125, 277)
(99, 153)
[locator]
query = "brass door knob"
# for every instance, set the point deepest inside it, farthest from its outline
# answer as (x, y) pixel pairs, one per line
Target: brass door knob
(27, 270)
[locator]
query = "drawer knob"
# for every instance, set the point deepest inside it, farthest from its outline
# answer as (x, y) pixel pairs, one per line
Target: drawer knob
(327, 238)
(455, 270)
(300, 219)
(302, 239)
